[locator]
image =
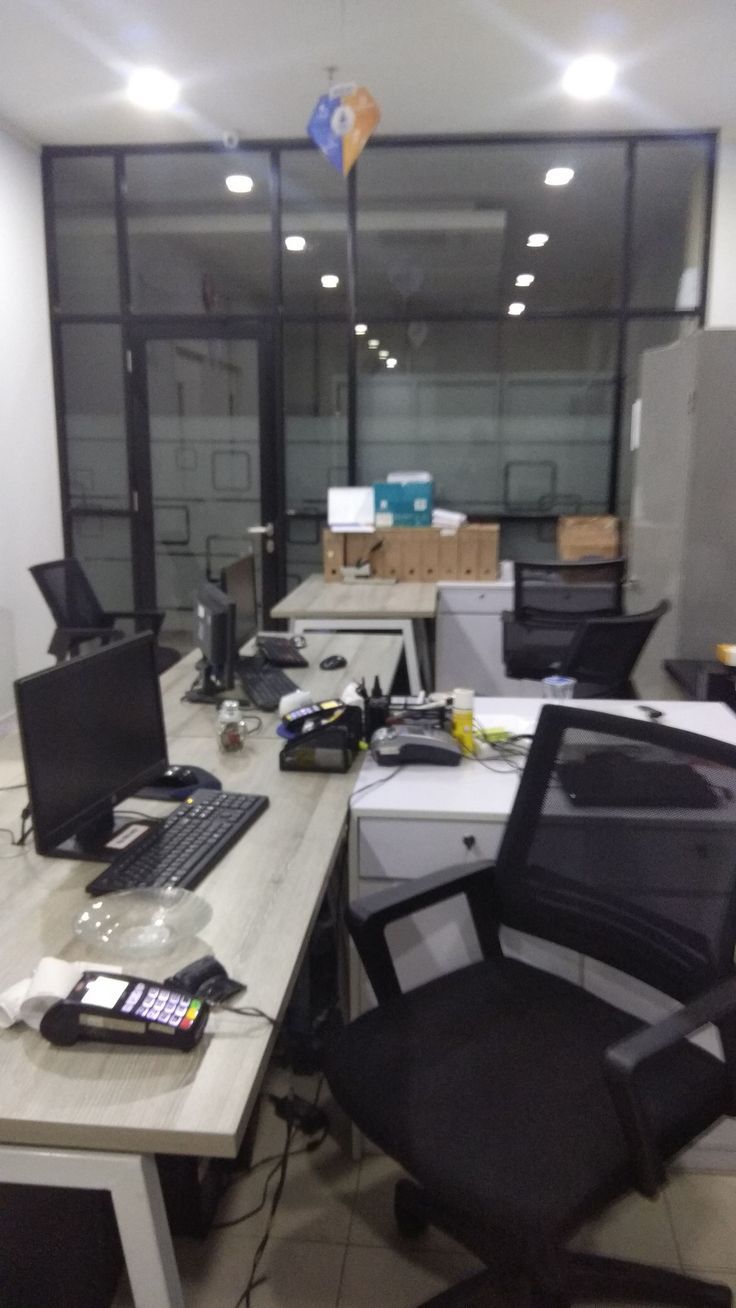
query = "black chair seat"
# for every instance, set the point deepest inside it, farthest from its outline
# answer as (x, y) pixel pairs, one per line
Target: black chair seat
(487, 1086)
(531, 651)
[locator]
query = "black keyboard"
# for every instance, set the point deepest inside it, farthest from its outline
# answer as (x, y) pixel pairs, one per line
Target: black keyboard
(281, 651)
(182, 849)
(263, 684)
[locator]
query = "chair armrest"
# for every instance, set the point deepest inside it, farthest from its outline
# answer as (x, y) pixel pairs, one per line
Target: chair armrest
(65, 637)
(368, 918)
(155, 617)
(623, 1060)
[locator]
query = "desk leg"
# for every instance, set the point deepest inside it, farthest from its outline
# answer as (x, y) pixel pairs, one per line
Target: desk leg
(132, 1180)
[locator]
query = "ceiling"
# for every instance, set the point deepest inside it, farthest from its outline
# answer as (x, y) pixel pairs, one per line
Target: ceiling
(256, 67)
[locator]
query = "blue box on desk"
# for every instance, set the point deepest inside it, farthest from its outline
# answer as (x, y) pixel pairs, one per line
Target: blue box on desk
(403, 503)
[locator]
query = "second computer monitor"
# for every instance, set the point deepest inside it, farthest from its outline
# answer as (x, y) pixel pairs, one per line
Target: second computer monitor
(239, 582)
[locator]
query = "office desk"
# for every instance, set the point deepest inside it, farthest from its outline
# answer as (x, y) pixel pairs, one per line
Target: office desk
(425, 818)
(91, 1117)
(319, 605)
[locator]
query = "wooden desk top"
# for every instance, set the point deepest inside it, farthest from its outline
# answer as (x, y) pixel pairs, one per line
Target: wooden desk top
(317, 598)
(264, 897)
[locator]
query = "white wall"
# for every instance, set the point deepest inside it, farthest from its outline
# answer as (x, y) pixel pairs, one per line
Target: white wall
(721, 311)
(29, 485)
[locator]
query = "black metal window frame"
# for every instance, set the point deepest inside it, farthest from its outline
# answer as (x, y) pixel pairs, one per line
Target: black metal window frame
(280, 315)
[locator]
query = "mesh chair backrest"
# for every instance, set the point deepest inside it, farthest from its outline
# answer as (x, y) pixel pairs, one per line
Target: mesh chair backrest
(568, 590)
(622, 846)
(68, 593)
(603, 651)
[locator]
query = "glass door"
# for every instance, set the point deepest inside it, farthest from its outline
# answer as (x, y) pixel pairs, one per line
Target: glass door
(208, 476)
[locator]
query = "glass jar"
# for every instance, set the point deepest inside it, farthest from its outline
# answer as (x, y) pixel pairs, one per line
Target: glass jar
(231, 726)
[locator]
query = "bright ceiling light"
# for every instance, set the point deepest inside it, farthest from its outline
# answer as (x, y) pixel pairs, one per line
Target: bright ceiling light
(361, 328)
(330, 281)
(537, 238)
(516, 308)
(151, 89)
(373, 343)
(383, 354)
(239, 183)
(295, 243)
(589, 77)
(524, 279)
(558, 176)
(391, 363)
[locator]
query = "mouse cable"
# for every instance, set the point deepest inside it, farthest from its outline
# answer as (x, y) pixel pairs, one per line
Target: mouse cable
(245, 1012)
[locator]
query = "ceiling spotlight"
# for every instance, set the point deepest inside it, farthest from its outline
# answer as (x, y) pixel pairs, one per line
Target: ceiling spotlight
(295, 243)
(516, 308)
(373, 343)
(558, 176)
(330, 281)
(524, 279)
(537, 238)
(589, 77)
(151, 89)
(239, 183)
(383, 354)
(391, 363)
(361, 328)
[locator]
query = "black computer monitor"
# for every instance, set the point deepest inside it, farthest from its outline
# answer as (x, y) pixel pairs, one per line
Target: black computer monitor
(214, 635)
(238, 580)
(92, 732)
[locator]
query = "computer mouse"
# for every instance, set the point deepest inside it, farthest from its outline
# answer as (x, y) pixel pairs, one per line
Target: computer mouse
(177, 777)
(333, 661)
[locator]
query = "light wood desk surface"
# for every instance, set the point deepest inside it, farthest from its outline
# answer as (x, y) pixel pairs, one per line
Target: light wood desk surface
(317, 598)
(264, 897)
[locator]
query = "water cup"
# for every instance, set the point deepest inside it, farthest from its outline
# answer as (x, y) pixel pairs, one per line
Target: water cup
(558, 687)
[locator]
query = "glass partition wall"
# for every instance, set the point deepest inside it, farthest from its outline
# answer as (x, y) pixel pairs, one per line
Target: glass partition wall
(236, 330)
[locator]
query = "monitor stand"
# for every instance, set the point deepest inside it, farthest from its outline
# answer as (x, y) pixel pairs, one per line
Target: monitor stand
(207, 689)
(103, 839)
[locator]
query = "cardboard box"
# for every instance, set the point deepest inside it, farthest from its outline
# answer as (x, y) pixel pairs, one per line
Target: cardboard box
(593, 537)
(469, 553)
(403, 503)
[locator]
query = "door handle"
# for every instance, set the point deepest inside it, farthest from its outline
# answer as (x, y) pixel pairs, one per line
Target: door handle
(261, 529)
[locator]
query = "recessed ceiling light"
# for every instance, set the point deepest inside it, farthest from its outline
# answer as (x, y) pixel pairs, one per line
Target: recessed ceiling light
(151, 89)
(524, 279)
(391, 363)
(373, 343)
(239, 183)
(330, 281)
(296, 243)
(558, 176)
(516, 308)
(383, 354)
(537, 238)
(361, 328)
(589, 77)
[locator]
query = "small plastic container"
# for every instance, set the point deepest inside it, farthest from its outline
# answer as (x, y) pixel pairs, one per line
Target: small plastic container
(558, 687)
(462, 719)
(232, 729)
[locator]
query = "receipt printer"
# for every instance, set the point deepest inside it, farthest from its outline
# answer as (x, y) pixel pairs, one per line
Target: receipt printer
(415, 742)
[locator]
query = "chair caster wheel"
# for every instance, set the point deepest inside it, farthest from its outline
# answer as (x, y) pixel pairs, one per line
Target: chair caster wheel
(410, 1219)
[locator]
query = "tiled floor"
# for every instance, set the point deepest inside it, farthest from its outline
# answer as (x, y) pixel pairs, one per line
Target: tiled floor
(334, 1243)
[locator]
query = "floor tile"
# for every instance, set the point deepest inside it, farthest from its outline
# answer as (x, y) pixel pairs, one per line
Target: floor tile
(635, 1228)
(373, 1277)
(703, 1210)
(373, 1214)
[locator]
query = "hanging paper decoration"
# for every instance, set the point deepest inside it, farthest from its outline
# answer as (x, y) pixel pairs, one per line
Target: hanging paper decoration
(342, 122)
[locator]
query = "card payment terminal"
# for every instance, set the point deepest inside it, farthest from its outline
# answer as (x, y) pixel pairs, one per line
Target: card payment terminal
(125, 1010)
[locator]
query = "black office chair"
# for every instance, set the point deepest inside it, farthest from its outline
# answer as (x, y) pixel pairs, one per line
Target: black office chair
(80, 617)
(603, 652)
(550, 599)
(520, 1104)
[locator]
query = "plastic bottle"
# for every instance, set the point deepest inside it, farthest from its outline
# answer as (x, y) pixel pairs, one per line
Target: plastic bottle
(462, 719)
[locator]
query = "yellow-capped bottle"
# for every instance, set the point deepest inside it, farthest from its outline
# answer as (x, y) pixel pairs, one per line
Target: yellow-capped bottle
(462, 719)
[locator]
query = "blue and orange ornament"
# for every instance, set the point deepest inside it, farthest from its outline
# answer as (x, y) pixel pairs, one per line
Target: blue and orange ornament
(341, 123)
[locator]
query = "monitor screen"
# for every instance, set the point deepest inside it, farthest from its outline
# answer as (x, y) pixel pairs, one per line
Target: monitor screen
(214, 631)
(239, 581)
(92, 733)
